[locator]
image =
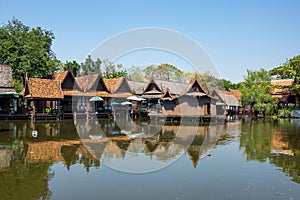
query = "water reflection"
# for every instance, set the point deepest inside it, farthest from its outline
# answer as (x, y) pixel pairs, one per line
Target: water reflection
(140, 146)
(98, 141)
(276, 142)
(28, 160)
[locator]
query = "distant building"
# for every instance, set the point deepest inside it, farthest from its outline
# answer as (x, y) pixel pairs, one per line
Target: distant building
(228, 102)
(282, 91)
(193, 102)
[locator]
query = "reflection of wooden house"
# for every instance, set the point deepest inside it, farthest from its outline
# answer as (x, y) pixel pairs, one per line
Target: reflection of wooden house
(194, 102)
(227, 102)
(42, 93)
(194, 150)
(5, 157)
(280, 144)
(282, 91)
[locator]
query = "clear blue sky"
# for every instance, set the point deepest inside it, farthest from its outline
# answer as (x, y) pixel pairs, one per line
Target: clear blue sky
(237, 35)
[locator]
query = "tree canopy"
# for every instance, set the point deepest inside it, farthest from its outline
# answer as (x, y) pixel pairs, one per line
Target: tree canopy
(255, 91)
(103, 66)
(74, 66)
(27, 50)
(89, 66)
(289, 70)
(165, 72)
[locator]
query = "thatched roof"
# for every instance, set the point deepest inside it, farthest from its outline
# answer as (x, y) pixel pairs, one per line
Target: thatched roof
(281, 97)
(112, 84)
(167, 95)
(283, 82)
(37, 88)
(67, 80)
(137, 87)
(281, 87)
(236, 93)
(6, 81)
(226, 97)
(153, 88)
(196, 86)
(60, 76)
(174, 87)
(119, 87)
(91, 83)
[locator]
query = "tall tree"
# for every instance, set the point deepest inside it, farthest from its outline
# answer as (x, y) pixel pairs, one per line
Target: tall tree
(211, 82)
(149, 72)
(135, 73)
(74, 66)
(169, 72)
(111, 70)
(89, 66)
(27, 50)
(165, 72)
(255, 92)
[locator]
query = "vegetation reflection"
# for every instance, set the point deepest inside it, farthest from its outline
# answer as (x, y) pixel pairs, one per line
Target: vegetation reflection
(276, 142)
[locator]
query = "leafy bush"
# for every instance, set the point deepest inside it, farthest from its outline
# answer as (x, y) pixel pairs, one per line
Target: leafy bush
(284, 113)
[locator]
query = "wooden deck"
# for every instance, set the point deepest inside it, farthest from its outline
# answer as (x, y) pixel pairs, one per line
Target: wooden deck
(190, 118)
(13, 116)
(58, 117)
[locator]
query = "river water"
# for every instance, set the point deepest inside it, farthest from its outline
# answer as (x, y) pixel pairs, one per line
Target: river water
(101, 159)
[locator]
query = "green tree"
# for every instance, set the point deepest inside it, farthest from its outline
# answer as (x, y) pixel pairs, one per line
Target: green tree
(228, 85)
(289, 70)
(149, 72)
(255, 92)
(211, 82)
(169, 72)
(165, 72)
(89, 66)
(111, 70)
(27, 50)
(74, 66)
(135, 73)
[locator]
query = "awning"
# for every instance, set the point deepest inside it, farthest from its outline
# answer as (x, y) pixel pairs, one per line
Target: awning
(10, 94)
(96, 98)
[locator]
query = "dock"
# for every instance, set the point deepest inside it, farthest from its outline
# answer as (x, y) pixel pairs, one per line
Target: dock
(190, 118)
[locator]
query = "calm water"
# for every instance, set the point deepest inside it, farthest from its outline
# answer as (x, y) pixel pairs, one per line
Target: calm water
(138, 160)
